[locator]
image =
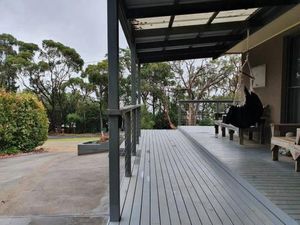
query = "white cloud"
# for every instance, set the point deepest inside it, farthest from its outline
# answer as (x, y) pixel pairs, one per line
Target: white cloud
(80, 24)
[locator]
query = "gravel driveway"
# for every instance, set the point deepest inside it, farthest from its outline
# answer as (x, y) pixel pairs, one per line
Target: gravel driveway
(57, 187)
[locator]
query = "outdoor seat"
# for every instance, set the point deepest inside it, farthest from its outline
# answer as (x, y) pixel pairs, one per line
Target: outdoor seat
(279, 140)
(259, 127)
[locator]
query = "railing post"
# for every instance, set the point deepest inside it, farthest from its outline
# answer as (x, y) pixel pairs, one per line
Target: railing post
(133, 99)
(134, 131)
(179, 114)
(113, 108)
(128, 144)
(139, 102)
(138, 124)
(218, 107)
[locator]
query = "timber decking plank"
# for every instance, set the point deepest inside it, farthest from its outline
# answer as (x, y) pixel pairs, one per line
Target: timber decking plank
(253, 162)
(178, 194)
(154, 199)
(235, 212)
(202, 172)
(264, 207)
(130, 193)
(259, 204)
(145, 213)
(195, 206)
(171, 196)
(187, 201)
(137, 201)
(164, 210)
(175, 184)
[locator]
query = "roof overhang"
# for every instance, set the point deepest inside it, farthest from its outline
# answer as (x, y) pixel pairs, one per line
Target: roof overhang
(283, 23)
(165, 30)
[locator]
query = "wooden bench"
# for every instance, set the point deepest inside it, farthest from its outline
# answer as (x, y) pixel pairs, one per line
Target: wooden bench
(241, 131)
(279, 140)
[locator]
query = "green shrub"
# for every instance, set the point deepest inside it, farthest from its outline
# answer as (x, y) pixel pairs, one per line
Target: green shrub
(23, 122)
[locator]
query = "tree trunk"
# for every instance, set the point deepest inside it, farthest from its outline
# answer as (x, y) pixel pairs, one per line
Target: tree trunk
(191, 117)
(167, 114)
(101, 119)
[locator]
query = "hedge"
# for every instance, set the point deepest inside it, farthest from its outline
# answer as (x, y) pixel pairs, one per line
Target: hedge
(23, 122)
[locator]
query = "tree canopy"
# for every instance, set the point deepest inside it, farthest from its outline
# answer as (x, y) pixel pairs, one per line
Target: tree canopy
(77, 94)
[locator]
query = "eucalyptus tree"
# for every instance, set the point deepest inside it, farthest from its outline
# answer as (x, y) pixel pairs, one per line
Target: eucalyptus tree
(45, 70)
(157, 81)
(8, 72)
(205, 78)
(97, 75)
(78, 96)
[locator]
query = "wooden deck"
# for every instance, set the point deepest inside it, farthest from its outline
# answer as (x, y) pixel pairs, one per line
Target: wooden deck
(176, 182)
(276, 180)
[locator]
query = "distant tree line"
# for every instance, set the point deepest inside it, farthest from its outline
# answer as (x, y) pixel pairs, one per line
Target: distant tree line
(75, 95)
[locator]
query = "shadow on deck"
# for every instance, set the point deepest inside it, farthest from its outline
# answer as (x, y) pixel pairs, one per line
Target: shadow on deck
(176, 181)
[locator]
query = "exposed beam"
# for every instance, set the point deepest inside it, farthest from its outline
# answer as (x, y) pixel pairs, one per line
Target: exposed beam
(163, 58)
(191, 41)
(203, 6)
(189, 29)
(187, 51)
(126, 25)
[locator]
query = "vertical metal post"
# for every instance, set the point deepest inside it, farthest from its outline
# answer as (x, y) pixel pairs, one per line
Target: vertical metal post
(139, 101)
(128, 144)
(218, 107)
(133, 100)
(179, 114)
(113, 105)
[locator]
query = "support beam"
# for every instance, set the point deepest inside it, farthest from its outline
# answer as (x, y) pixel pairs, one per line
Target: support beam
(190, 41)
(159, 57)
(229, 26)
(113, 105)
(126, 25)
(188, 53)
(203, 7)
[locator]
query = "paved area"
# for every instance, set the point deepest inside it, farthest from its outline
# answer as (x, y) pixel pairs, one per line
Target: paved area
(57, 187)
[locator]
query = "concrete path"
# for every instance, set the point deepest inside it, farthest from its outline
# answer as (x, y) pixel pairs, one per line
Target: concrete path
(54, 188)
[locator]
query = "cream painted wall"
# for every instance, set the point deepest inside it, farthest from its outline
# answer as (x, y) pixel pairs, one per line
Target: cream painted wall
(271, 53)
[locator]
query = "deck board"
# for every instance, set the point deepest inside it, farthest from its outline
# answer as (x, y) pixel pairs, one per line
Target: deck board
(175, 183)
(276, 180)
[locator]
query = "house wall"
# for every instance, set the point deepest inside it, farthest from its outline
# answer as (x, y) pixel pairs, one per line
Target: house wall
(271, 53)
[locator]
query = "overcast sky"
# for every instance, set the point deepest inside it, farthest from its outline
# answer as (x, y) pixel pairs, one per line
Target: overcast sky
(80, 24)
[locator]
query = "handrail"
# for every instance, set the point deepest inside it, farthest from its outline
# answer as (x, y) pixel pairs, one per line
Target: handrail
(206, 101)
(128, 108)
(122, 110)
